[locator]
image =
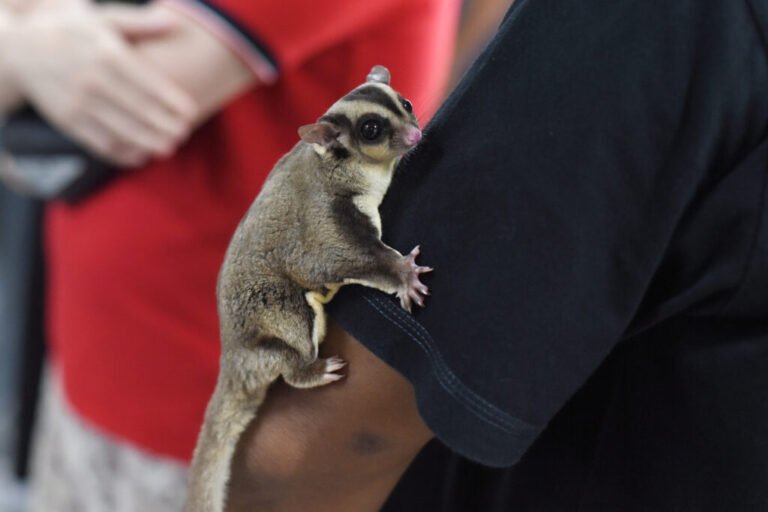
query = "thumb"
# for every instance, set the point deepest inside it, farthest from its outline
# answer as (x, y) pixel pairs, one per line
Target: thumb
(136, 22)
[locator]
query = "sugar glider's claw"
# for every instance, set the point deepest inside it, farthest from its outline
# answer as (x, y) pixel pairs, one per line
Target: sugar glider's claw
(332, 365)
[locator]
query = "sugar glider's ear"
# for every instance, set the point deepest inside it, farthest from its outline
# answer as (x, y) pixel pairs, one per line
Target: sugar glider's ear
(319, 133)
(379, 74)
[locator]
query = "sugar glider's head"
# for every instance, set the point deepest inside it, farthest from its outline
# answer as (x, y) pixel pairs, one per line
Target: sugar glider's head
(372, 123)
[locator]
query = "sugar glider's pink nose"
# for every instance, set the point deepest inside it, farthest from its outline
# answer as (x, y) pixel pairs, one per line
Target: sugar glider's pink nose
(412, 135)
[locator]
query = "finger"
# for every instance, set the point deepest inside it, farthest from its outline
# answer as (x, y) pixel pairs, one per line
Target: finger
(129, 132)
(134, 22)
(129, 159)
(97, 141)
(144, 109)
(153, 85)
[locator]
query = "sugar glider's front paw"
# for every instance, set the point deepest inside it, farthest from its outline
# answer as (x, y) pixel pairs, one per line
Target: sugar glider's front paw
(412, 290)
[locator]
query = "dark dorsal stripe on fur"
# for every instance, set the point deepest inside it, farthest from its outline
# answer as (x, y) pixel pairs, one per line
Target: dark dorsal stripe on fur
(374, 95)
(339, 120)
(359, 231)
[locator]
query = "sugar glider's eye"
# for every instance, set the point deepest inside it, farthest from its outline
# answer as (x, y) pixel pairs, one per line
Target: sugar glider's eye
(407, 106)
(371, 129)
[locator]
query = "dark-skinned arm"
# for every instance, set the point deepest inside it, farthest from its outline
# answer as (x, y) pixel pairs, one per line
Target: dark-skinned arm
(338, 448)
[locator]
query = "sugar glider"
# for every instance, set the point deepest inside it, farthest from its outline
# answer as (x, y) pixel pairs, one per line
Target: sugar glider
(314, 227)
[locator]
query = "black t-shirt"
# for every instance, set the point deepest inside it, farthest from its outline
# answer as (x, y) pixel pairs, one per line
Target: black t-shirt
(592, 198)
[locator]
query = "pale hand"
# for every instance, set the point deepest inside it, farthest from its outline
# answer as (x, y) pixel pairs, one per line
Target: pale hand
(75, 65)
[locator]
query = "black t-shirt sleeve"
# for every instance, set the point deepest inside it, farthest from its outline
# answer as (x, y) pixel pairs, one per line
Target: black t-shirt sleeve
(545, 194)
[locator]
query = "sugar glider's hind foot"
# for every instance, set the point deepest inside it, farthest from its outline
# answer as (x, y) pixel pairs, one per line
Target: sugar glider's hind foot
(413, 290)
(318, 373)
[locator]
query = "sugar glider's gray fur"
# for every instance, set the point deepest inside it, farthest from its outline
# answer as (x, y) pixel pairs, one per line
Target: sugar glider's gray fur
(314, 227)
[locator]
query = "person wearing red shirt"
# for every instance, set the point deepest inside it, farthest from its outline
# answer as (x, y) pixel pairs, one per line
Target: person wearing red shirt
(132, 268)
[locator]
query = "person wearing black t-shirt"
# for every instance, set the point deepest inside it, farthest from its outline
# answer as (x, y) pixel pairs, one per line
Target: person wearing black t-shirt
(593, 200)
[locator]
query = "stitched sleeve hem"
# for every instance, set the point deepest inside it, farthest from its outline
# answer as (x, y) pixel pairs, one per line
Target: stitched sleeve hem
(459, 417)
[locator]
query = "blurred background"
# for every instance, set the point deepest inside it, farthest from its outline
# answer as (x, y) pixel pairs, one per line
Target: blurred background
(22, 310)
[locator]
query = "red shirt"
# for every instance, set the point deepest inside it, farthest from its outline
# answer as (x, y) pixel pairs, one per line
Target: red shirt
(132, 269)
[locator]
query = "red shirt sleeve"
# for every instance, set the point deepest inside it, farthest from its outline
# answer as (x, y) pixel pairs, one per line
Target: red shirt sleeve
(273, 35)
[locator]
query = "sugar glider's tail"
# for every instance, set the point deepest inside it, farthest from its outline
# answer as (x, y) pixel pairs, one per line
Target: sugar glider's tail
(229, 413)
